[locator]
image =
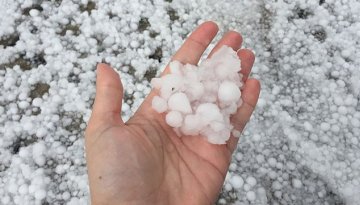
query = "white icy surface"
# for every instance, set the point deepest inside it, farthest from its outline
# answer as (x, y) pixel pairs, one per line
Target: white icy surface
(306, 127)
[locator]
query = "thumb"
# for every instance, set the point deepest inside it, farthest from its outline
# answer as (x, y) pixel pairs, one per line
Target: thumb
(108, 99)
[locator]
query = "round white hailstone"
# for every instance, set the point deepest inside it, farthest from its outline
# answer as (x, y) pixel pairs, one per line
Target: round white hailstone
(346, 53)
(59, 169)
(32, 189)
(41, 132)
(291, 165)
(228, 187)
(170, 84)
(251, 196)
(40, 194)
(247, 187)
(256, 137)
(9, 82)
(232, 166)
(278, 194)
(231, 108)
(192, 125)
(23, 104)
(134, 44)
(174, 119)
(209, 112)
(227, 56)
(40, 160)
(338, 174)
(236, 181)
(22, 96)
(276, 185)
(217, 126)
(314, 137)
(38, 153)
(216, 137)
(296, 183)
(192, 73)
(147, 51)
(354, 140)
(195, 91)
(261, 194)
(211, 87)
(23, 153)
(108, 41)
(23, 189)
(39, 149)
(34, 12)
(179, 102)
(173, 81)
(156, 83)
(261, 103)
(37, 102)
(272, 162)
(342, 110)
(28, 126)
(159, 104)
(229, 92)
(5, 200)
(279, 165)
(175, 67)
(355, 122)
(66, 195)
(325, 126)
(222, 201)
(260, 158)
(338, 100)
(12, 188)
(61, 150)
(26, 171)
(236, 133)
(308, 126)
(251, 181)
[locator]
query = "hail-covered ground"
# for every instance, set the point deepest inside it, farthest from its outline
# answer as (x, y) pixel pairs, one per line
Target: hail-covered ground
(302, 145)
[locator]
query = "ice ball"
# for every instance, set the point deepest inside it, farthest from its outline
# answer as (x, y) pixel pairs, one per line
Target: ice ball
(229, 92)
(199, 100)
(174, 119)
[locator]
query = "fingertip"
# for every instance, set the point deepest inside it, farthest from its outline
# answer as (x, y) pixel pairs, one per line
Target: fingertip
(205, 33)
(195, 45)
(101, 66)
(247, 58)
(247, 55)
(104, 69)
(211, 25)
(106, 75)
(255, 82)
(232, 39)
(236, 39)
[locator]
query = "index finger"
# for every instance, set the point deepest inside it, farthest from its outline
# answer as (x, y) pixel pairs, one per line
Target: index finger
(195, 45)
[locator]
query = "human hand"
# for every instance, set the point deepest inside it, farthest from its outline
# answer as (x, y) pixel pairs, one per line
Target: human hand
(143, 161)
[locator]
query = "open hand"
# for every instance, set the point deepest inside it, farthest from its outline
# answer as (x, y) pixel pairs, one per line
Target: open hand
(143, 161)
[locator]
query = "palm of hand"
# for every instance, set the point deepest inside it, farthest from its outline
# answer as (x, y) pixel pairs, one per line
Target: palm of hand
(143, 161)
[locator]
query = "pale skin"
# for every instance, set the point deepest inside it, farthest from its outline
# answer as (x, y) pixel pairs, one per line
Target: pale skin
(143, 161)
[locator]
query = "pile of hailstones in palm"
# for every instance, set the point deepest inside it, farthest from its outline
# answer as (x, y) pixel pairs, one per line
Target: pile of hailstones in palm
(200, 100)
